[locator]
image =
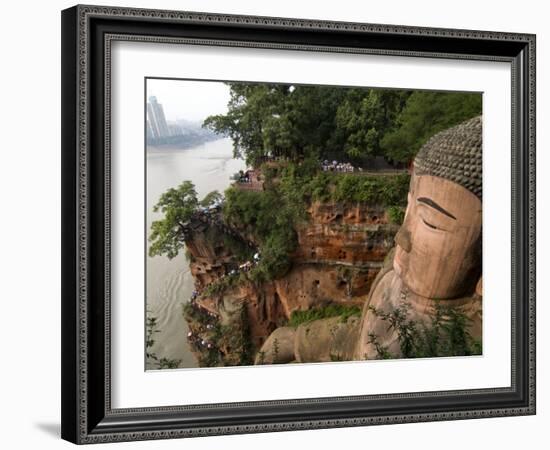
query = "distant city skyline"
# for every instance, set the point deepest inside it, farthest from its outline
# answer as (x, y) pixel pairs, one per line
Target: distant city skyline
(157, 127)
(187, 100)
(182, 133)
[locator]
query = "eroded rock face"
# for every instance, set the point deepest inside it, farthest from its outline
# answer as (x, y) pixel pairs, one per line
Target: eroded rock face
(263, 309)
(209, 257)
(357, 235)
(310, 285)
(340, 251)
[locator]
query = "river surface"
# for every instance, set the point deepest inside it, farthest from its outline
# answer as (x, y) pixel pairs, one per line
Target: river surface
(169, 282)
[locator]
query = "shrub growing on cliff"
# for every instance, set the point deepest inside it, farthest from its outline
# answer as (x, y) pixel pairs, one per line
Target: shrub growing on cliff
(249, 210)
(178, 206)
(380, 190)
(220, 285)
(276, 259)
(269, 218)
(396, 214)
(299, 184)
(238, 248)
(324, 312)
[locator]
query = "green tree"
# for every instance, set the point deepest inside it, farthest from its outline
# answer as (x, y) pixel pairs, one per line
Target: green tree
(279, 120)
(248, 110)
(178, 206)
(425, 114)
(211, 198)
(363, 118)
(326, 122)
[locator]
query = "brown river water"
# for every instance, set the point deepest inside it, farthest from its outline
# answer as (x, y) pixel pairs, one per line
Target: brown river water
(169, 282)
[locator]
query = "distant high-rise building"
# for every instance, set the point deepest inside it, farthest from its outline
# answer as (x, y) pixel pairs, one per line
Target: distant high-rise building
(150, 132)
(156, 119)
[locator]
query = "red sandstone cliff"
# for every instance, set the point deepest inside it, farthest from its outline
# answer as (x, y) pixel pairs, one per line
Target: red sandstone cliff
(340, 250)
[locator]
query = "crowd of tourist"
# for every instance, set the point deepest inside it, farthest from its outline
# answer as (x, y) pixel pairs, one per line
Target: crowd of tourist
(198, 342)
(247, 266)
(336, 166)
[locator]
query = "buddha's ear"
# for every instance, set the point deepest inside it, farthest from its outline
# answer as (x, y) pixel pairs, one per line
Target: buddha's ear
(479, 287)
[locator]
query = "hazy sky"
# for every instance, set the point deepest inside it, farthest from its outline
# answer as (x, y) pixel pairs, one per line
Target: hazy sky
(189, 100)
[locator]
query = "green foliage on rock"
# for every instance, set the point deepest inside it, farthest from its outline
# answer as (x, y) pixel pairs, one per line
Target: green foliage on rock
(221, 285)
(269, 218)
(446, 333)
(331, 310)
(299, 184)
(375, 190)
(237, 248)
(396, 214)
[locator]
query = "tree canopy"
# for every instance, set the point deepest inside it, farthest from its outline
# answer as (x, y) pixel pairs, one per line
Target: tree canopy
(425, 114)
(354, 124)
(277, 119)
(178, 206)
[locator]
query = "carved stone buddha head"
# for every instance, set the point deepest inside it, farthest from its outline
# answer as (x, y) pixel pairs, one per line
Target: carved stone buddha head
(438, 252)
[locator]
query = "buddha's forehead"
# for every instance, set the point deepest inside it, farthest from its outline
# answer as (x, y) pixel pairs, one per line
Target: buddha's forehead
(450, 196)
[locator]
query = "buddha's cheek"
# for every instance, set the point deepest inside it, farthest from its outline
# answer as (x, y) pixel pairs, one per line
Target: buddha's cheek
(423, 265)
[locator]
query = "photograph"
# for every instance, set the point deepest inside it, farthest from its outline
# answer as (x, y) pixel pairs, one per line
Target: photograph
(295, 223)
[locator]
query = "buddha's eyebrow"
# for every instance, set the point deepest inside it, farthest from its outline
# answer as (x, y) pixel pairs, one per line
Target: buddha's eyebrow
(434, 205)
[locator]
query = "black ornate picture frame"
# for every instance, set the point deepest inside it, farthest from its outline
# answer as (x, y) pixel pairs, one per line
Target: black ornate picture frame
(87, 35)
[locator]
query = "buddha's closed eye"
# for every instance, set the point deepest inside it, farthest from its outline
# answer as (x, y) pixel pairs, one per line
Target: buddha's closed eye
(429, 202)
(429, 224)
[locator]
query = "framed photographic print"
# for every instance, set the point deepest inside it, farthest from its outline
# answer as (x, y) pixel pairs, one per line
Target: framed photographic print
(277, 224)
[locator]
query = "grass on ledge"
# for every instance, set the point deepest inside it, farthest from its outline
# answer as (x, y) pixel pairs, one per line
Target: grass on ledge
(332, 310)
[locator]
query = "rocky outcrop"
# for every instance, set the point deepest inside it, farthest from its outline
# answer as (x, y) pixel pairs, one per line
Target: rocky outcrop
(340, 250)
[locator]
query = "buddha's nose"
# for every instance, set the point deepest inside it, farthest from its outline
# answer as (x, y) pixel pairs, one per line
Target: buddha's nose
(403, 236)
